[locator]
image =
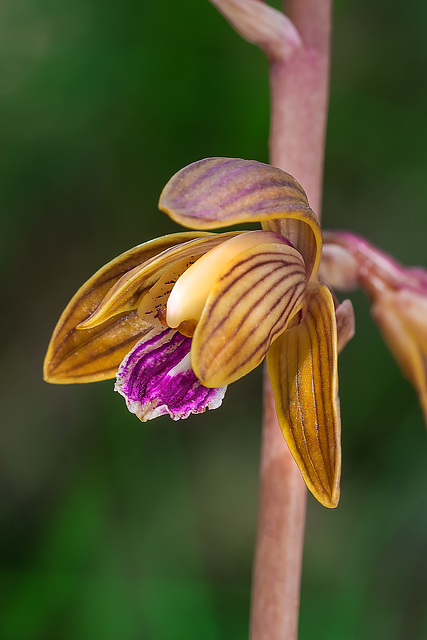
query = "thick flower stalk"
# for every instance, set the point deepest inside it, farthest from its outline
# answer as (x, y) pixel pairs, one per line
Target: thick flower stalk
(398, 299)
(179, 318)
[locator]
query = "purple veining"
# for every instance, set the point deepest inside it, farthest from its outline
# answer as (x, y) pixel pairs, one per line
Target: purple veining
(156, 378)
(197, 207)
(196, 196)
(212, 170)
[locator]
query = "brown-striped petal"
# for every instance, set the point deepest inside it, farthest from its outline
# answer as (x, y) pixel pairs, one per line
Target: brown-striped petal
(302, 365)
(301, 235)
(95, 354)
(249, 305)
(71, 349)
(219, 192)
(127, 292)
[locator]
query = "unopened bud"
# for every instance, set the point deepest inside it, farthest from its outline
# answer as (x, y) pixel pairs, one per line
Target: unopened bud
(338, 268)
(398, 300)
(263, 25)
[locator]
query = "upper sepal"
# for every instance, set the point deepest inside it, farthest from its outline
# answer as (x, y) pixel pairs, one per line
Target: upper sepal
(219, 192)
(302, 365)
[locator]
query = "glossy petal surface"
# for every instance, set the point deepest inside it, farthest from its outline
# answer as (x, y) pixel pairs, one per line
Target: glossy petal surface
(249, 305)
(302, 365)
(218, 192)
(76, 355)
(156, 379)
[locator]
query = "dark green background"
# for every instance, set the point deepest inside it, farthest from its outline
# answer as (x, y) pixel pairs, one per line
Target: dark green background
(115, 530)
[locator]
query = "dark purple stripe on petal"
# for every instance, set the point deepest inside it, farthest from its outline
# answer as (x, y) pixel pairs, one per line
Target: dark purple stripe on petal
(156, 378)
(217, 188)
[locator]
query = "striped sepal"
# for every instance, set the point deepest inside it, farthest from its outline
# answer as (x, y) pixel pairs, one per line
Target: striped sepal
(95, 354)
(127, 292)
(71, 345)
(218, 192)
(249, 305)
(302, 365)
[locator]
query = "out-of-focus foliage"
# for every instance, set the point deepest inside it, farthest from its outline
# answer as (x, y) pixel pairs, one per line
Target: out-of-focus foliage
(116, 530)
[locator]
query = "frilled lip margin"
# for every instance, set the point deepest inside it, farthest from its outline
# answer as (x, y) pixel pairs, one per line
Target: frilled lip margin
(156, 379)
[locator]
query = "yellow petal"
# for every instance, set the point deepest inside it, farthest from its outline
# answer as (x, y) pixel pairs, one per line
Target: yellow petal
(82, 346)
(219, 192)
(302, 365)
(127, 292)
(249, 305)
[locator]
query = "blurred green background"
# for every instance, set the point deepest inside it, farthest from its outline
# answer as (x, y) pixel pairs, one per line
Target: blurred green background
(115, 530)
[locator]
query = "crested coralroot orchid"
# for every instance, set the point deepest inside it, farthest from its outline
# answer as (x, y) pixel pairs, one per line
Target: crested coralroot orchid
(179, 318)
(398, 299)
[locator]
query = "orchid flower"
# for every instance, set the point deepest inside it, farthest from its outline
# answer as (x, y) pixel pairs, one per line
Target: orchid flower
(179, 318)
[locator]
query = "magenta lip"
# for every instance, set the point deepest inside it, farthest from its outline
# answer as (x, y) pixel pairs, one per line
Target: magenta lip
(150, 386)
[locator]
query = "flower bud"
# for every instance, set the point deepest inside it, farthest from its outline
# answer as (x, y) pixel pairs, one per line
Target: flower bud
(338, 268)
(398, 300)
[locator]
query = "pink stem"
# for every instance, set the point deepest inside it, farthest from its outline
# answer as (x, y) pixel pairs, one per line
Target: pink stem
(299, 99)
(280, 535)
(299, 103)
